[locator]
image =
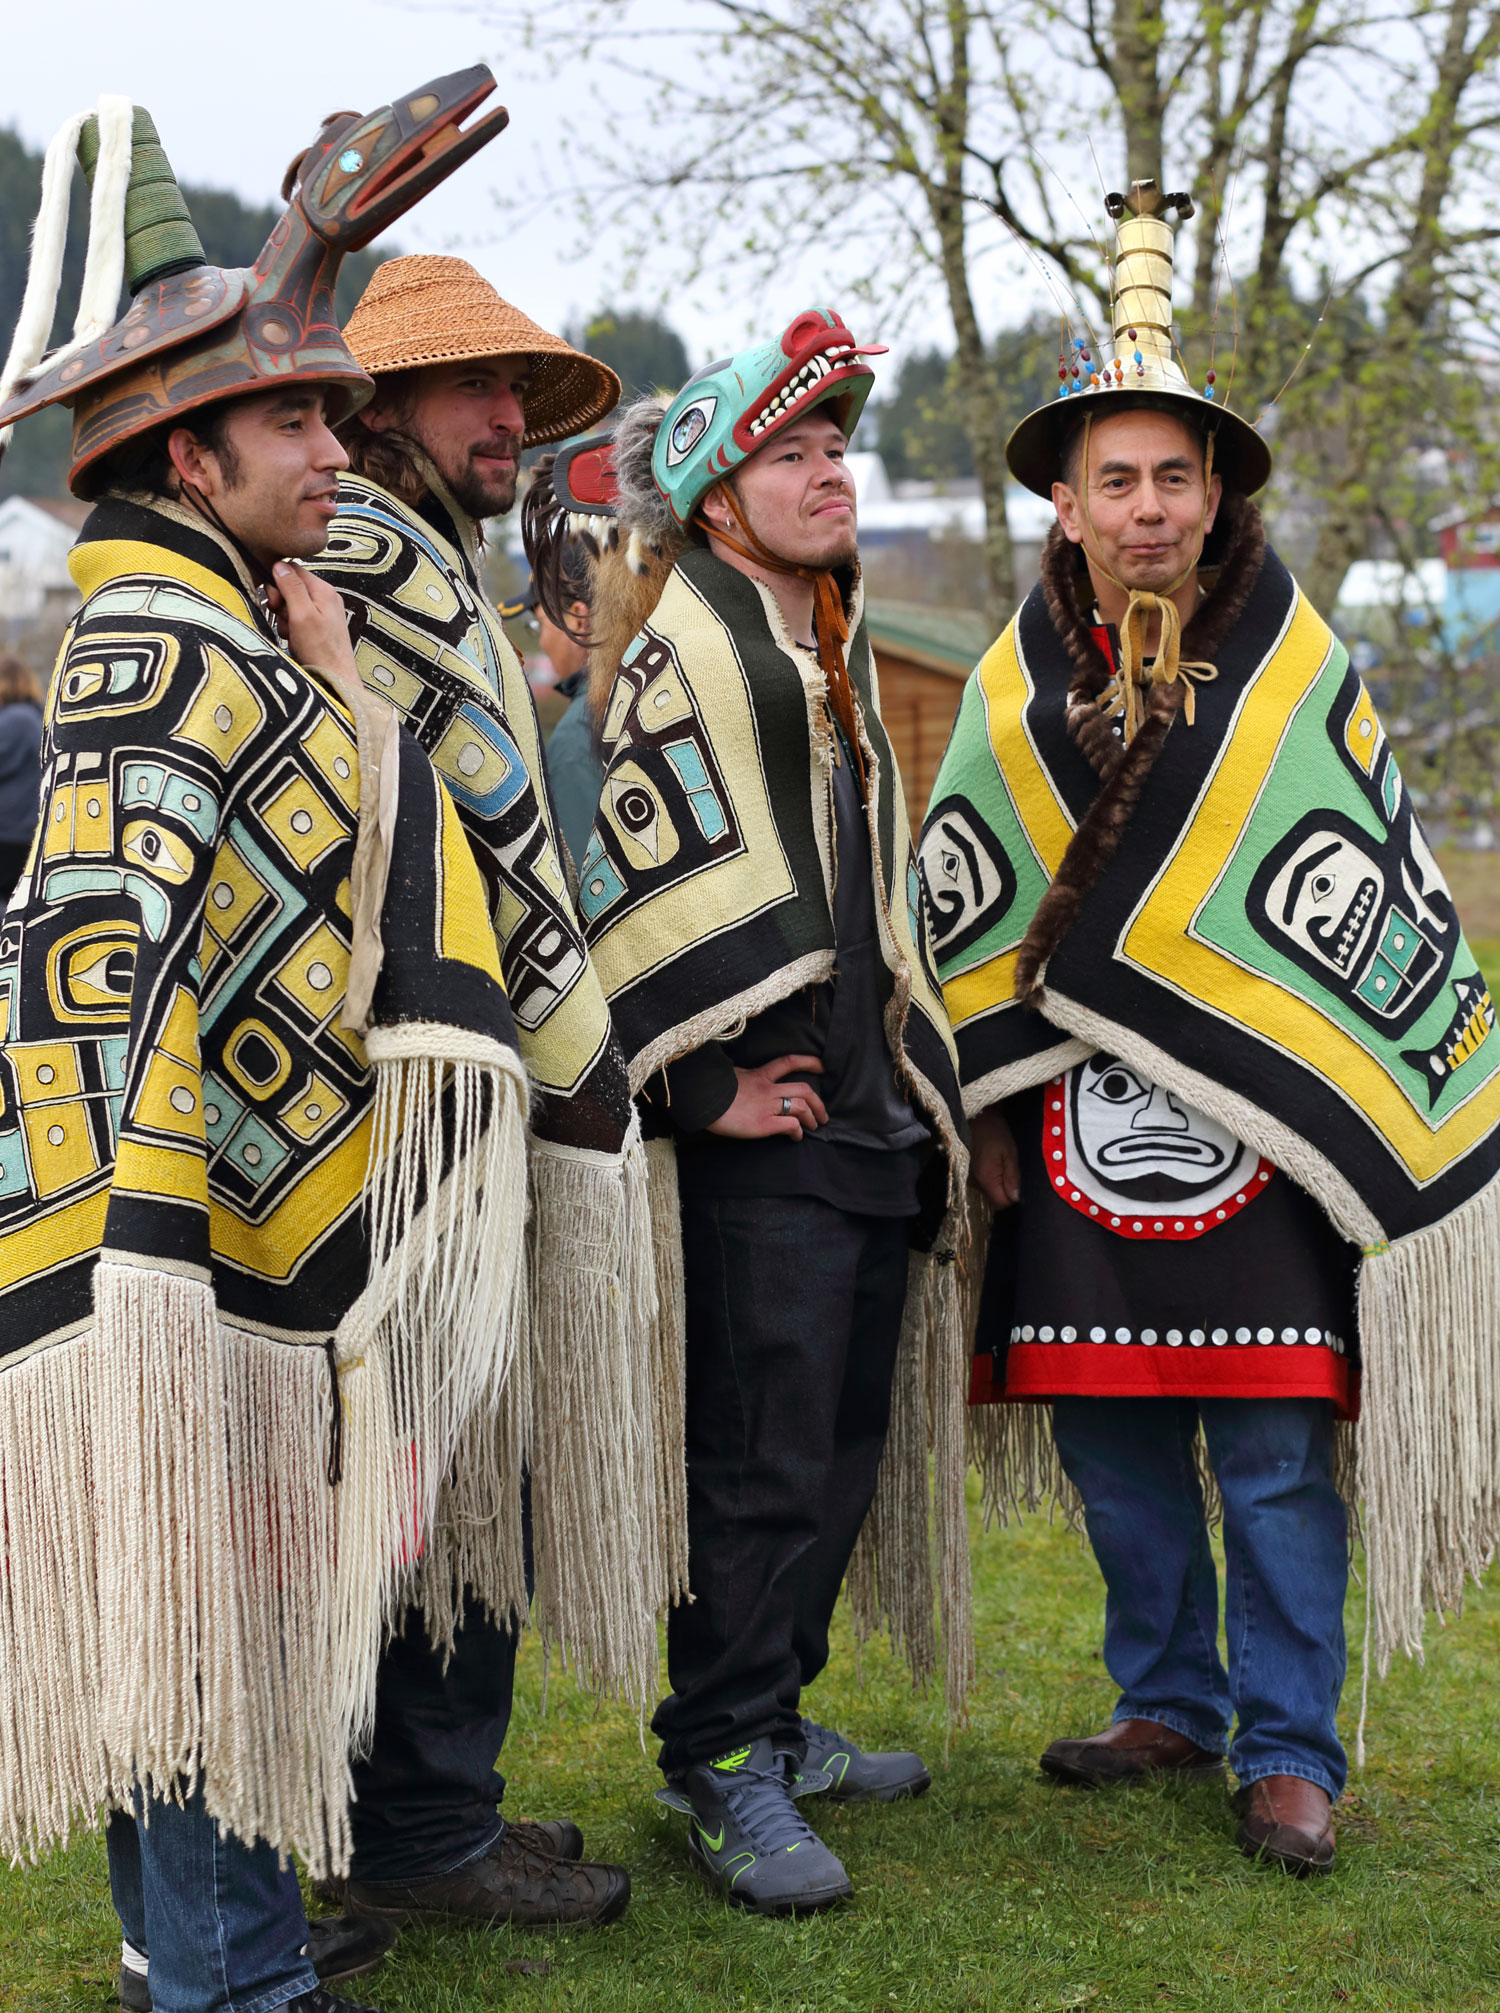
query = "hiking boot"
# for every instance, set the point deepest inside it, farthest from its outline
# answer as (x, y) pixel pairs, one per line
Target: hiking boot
(339, 1947)
(558, 1837)
(512, 1883)
(746, 1837)
(853, 1776)
(1288, 1821)
(1128, 1751)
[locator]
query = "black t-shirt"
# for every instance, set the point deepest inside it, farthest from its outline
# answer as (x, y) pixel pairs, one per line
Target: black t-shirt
(868, 1157)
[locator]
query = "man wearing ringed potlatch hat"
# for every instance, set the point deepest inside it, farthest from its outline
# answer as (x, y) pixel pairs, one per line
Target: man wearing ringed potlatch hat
(464, 381)
(1228, 1058)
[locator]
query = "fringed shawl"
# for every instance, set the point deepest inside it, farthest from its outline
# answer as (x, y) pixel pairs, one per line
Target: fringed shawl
(1250, 913)
(705, 891)
(258, 1273)
(604, 1445)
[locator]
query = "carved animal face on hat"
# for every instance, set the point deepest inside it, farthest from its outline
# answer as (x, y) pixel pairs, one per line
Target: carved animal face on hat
(731, 409)
(195, 334)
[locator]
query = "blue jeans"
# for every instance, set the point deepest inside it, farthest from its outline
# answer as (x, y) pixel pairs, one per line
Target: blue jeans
(223, 1924)
(1286, 1571)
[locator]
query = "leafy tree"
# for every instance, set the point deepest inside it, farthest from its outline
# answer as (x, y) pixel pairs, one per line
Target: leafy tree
(644, 352)
(908, 140)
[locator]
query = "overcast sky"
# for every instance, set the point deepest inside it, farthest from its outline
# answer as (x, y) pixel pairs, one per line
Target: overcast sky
(237, 90)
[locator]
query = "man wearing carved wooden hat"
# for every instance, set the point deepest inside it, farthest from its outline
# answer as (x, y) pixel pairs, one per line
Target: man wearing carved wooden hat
(238, 1060)
(1233, 1085)
(463, 382)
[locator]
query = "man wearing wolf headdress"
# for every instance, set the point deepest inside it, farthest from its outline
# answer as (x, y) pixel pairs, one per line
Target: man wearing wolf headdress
(262, 1106)
(464, 382)
(1233, 1084)
(750, 900)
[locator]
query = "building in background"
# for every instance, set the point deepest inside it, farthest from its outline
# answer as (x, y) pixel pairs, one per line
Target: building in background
(36, 589)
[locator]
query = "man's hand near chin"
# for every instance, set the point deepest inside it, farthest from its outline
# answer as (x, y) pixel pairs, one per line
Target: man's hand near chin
(994, 1164)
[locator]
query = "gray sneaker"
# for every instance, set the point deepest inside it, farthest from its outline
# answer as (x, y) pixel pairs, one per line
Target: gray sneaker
(746, 1837)
(851, 1776)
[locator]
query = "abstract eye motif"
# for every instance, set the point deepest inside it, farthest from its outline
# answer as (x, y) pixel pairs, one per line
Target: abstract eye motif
(689, 428)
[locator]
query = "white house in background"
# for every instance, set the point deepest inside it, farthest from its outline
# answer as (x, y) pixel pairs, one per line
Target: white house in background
(36, 536)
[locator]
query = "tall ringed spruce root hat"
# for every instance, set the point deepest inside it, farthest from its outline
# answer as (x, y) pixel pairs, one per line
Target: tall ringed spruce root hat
(194, 333)
(1142, 370)
(430, 309)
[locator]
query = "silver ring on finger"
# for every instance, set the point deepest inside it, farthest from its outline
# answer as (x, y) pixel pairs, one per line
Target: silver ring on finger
(786, 1107)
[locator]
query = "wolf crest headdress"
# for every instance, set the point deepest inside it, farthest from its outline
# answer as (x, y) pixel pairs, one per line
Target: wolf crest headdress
(195, 333)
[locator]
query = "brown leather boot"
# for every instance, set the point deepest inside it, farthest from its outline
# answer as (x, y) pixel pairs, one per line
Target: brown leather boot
(1288, 1821)
(1127, 1751)
(558, 1837)
(512, 1884)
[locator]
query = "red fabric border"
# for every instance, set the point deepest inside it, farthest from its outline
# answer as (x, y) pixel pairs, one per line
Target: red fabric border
(1111, 1370)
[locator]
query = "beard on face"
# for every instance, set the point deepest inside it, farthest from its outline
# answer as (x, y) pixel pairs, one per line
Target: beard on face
(810, 544)
(484, 494)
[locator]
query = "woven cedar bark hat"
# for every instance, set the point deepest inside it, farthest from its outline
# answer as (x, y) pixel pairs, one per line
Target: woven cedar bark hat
(429, 309)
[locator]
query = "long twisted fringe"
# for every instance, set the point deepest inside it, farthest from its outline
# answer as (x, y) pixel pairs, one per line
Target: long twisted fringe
(594, 1498)
(655, 1217)
(913, 1552)
(1429, 1456)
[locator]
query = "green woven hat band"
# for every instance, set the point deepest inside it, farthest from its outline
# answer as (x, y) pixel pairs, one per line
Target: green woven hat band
(159, 234)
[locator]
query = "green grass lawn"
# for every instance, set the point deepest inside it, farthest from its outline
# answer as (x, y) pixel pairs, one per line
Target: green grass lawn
(998, 1890)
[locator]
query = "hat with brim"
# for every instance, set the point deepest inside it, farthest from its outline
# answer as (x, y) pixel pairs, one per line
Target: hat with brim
(1139, 368)
(430, 309)
(1035, 451)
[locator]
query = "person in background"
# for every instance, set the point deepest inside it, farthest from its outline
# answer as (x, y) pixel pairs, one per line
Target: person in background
(20, 766)
(573, 763)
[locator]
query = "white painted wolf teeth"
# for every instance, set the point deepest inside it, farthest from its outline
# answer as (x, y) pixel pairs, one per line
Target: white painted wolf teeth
(807, 379)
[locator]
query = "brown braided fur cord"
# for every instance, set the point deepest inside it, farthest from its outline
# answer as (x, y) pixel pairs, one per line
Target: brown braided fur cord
(1240, 536)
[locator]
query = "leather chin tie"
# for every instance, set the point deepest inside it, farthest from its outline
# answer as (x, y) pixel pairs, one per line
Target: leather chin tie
(830, 624)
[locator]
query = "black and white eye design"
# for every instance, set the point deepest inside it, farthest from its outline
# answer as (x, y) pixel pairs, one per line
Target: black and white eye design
(688, 429)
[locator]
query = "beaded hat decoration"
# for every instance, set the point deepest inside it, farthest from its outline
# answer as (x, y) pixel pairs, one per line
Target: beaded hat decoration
(1141, 368)
(195, 334)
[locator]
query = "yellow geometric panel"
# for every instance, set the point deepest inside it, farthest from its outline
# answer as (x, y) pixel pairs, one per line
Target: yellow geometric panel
(314, 1108)
(62, 1150)
(179, 1037)
(428, 592)
(665, 701)
(317, 973)
(336, 757)
(77, 819)
(391, 680)
(225, 711)
(343, 896)
(233, 892)
(91, 972)
(1362, 736)
(303, 822)
(171, 1098)
(465, 932)
(158, 849)
(46, 1069)
(257, 1059)
(179, 1174)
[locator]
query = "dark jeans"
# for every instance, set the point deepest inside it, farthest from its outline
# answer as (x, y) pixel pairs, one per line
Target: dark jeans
(222, 1922)
(1286, 1557)
(426, 1798)
(793, 1316)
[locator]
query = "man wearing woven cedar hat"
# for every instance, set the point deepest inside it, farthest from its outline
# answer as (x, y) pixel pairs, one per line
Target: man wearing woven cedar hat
(261, 1103)
(750, 895)
(1234, 1088)
(463, 382)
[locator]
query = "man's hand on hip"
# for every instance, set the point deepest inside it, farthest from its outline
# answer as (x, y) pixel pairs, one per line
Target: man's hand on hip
(766, 1103)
